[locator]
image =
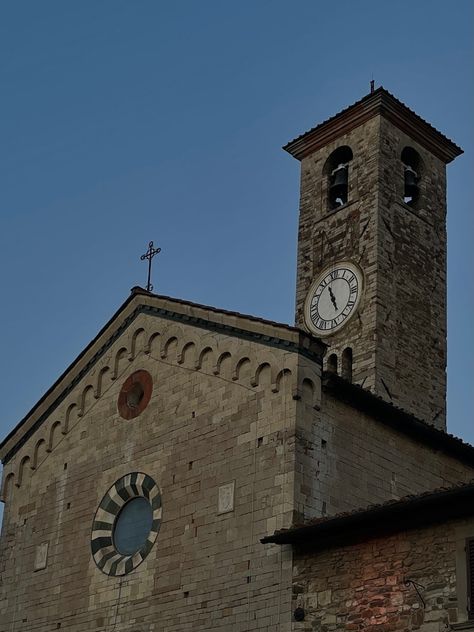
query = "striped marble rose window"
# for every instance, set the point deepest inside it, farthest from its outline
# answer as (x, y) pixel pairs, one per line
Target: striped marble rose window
(126, 524)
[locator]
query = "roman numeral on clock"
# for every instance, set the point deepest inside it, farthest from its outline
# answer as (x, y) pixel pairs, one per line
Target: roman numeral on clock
(330, 302)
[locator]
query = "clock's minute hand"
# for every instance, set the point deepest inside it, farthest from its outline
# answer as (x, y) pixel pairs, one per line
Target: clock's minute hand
(333, 298)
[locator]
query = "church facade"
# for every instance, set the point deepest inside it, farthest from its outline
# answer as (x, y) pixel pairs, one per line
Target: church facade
(199, 469)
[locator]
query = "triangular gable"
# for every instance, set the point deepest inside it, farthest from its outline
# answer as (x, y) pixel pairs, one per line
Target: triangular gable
(247, 328)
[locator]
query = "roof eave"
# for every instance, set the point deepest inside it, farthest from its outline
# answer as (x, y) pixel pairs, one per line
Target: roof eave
(382, 103)
(398, 419)
(411, 513)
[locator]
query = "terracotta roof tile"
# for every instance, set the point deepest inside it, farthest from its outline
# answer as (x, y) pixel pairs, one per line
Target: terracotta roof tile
(412, 510)
(448, 153)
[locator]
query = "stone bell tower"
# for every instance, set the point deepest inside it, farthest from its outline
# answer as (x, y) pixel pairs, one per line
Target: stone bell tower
(371, 274)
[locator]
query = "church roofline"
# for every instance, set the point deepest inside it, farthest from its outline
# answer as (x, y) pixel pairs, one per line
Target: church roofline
(409, 512)
(379, 102)
(399, 420)
(243, 326)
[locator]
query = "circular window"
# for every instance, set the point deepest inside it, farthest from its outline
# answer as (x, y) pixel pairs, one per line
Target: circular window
(126, 524)
(132, 526)
(135, 394)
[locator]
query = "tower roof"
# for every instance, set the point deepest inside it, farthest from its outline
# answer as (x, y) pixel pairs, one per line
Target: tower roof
(379, 102)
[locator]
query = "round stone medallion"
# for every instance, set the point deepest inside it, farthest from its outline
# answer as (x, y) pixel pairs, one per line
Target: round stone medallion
(135, 394)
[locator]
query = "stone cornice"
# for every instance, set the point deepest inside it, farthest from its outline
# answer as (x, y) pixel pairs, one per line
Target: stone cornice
(378, 103)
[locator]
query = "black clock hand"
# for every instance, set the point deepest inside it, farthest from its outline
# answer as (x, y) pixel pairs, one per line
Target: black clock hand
(333, 298)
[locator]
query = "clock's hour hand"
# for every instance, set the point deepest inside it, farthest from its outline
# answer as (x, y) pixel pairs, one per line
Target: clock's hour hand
(333, 298)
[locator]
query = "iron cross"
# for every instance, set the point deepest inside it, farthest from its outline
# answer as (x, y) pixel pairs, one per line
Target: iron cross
(149, 254)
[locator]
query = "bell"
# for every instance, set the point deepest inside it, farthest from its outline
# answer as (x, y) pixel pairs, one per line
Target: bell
(338, 185)
(411, 182)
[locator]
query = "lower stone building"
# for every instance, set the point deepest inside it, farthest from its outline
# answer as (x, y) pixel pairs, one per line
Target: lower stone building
(401, 565)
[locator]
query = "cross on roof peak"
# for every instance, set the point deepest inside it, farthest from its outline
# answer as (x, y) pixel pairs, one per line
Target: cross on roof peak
(149, 254)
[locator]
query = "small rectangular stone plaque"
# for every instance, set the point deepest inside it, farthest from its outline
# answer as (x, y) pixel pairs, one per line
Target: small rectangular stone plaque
(41, 558)
(226, 498)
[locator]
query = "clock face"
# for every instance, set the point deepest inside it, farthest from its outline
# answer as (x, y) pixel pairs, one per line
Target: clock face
(333, 298)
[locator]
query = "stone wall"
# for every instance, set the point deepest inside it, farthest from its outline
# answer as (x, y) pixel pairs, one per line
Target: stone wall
(398, 337)
(220, 413)
(223, 412)
(363, 586)
(348, 233)
(348, 460)
(411, 314)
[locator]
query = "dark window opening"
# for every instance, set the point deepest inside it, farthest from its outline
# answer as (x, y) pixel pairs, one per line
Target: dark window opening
(347, 364)
(332, 363)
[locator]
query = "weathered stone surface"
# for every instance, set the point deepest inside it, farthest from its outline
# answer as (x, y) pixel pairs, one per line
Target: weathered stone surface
(409, 581)
(242, 441)
(228, 420)
(398, 338)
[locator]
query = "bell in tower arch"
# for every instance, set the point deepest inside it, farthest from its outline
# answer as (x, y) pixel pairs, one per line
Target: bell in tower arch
(336, 173)
(411, 184)
(338, 186)
(411, 175)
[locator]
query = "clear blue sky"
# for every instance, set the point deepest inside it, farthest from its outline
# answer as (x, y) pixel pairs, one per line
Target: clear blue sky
(127, 121)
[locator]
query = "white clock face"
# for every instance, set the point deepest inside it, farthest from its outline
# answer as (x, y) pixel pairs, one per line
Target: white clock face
(333, 298)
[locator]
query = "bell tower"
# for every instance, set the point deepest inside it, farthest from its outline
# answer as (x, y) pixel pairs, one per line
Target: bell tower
(371, 272)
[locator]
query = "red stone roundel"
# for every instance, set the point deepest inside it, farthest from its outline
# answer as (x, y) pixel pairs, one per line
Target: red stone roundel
(135, 394)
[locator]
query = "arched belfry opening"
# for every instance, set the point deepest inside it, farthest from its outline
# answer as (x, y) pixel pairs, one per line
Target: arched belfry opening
(336, 170)
(346, 364)
(332, 363)
(412, 168)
